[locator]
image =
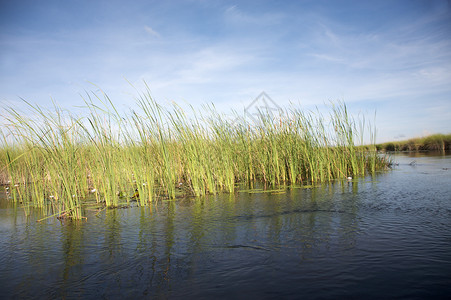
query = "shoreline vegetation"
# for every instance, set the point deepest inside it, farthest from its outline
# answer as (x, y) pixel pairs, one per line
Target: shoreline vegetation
(434, 142)
(63, 162)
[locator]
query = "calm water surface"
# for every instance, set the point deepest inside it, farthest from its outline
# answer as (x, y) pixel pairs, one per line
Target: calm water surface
(381, 237)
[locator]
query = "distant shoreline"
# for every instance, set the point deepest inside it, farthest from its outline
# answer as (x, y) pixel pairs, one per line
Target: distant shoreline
(435, 142)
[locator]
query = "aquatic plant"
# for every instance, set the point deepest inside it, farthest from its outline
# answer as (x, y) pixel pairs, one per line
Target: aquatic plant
(59, 159)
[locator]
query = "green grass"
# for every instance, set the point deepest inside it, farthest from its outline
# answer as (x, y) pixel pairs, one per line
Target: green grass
(435, 142)
(60, 159)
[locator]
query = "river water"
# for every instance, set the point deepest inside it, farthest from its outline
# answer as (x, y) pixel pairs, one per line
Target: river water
(386, 236)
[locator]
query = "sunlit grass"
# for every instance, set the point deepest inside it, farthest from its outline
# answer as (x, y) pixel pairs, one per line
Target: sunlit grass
(59, 159)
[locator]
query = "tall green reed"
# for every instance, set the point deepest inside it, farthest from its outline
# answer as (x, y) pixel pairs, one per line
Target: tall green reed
(62, 159)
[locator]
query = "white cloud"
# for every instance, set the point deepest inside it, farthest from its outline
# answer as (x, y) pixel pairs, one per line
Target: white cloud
(151, 31)
(292, 55)
(236, 16)
(328, 57)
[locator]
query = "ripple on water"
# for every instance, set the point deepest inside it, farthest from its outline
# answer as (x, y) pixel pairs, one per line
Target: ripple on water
(382, 237)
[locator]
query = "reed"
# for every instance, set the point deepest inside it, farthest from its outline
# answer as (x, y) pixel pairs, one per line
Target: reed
(59, 159)
(434, 142)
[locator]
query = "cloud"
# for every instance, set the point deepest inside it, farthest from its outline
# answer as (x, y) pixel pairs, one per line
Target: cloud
(229, 54)
(233, 14)
(239, 17)
(328, 57)
(151, 31)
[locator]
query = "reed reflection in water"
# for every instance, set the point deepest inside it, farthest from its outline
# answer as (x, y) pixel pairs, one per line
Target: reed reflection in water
(381, 236)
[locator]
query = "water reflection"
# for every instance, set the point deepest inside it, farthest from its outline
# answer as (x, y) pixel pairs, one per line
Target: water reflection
(330, 241)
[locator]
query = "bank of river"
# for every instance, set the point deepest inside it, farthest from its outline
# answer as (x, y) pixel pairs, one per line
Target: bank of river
(386, 236)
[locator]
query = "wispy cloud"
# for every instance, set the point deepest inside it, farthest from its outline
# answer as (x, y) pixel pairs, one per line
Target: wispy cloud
(227, 54)
(234, 14)
(151, 31)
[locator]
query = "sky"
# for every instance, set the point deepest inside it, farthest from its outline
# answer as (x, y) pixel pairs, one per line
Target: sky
(388, 59)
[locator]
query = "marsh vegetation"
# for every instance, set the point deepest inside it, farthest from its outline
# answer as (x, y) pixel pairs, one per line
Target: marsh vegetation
(62, 161)
(434, 142)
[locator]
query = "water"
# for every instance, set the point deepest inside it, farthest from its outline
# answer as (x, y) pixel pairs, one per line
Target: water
(381, 237)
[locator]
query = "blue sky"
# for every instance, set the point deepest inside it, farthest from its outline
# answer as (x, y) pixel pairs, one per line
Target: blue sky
(389, 57)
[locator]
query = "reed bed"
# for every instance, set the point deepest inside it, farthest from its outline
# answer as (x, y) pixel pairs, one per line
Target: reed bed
(434, 142)
(61, 160)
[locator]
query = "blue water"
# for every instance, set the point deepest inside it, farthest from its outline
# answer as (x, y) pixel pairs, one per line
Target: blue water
(380, 237)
